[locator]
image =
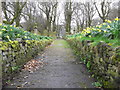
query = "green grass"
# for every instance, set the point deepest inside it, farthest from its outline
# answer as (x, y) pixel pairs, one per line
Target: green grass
(61, 43)
(97, 39)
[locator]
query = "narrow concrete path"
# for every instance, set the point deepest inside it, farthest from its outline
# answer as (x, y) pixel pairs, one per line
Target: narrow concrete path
(61, 71)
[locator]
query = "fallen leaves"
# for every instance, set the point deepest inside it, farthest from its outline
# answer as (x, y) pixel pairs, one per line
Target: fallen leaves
(32, 65)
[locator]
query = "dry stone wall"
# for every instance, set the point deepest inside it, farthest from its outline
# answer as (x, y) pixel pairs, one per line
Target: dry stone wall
(102, 60)
(15, 54)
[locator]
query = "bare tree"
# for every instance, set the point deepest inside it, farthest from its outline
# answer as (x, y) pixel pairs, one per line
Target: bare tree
(54, 17)
(79, 16)
(68, 11)
(0, 11)
(29, 13)
(119, 9)
(34, 19)
(18, 7)
(114, 11)
(105, 9)
(83, 14)
(89, 12)
(12, 12)
(49, 9)
(113, 14)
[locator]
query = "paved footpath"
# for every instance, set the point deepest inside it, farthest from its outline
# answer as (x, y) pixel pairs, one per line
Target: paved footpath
(61, 71)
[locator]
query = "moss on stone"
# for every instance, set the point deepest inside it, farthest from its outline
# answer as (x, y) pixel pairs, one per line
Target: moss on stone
(104, 59)
(17, 53)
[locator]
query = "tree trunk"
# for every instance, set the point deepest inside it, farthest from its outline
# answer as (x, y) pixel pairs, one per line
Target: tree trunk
(119, 9)
(17, 12)
(103, 19)
(0, 12)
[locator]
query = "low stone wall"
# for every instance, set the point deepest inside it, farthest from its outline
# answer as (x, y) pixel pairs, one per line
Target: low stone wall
(102, 60)
(15, 54)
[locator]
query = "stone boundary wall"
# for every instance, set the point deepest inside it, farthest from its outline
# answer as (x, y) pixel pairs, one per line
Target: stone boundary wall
(15, 54)
(102, 60)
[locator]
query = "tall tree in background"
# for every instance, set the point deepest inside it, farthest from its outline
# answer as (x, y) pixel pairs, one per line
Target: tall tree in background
(89, 12)
(0, 11)
(105, 9)
(68, 11)
(29, 13)
(33, 18)
(49, 9)
(18, 7)
(113, 11)
(12, 12)
(119, 9)
(54, 15)
(83, 14)
(79, 16)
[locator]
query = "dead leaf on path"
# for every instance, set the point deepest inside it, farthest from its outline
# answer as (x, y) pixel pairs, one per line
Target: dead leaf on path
(46, 63)
(32, 65)
(26, 77)
(31, 71)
